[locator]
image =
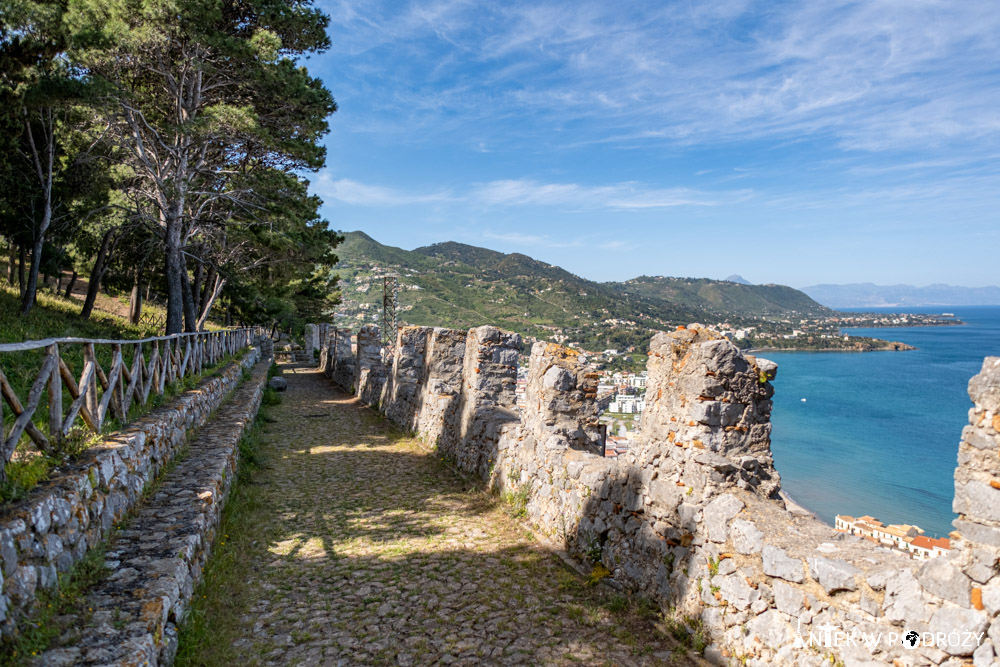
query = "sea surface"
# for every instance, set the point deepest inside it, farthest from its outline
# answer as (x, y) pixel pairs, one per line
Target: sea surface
(878, 432)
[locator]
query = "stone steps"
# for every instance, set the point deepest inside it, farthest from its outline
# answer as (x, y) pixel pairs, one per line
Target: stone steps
(157, 559)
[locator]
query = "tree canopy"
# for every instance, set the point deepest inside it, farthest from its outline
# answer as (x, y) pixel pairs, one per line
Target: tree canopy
(169, 139)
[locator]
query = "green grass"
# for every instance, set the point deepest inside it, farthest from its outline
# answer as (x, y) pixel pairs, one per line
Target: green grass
(55, 317)
(517, 501)
(215, 615)
(67, 599)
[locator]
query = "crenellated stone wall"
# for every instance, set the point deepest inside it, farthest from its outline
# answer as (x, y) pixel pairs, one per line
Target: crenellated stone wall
(342, 369)
(692, 516)
(401, 394)
(706, 397)
(371, 371)
(441, 385)
(486, 402)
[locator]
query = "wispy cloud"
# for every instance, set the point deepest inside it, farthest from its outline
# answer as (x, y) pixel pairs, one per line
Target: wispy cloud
(547, 241)
(873, 75)
(525, 192)
(352, 192)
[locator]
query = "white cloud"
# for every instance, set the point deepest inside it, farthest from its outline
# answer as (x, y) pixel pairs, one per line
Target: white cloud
(871, 75)
(545, 241)
(524, 192)
(623, 196)
(352, 192)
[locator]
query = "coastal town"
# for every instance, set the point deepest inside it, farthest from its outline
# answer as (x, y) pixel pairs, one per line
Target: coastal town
(588, 330)
(902, 537)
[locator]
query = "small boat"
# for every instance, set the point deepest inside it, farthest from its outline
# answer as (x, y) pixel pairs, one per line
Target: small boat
(803, 400)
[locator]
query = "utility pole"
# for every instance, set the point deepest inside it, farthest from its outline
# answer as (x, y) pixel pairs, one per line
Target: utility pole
(390, 299)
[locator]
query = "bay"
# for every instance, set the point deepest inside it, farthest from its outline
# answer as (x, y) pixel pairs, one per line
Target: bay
(878, 432)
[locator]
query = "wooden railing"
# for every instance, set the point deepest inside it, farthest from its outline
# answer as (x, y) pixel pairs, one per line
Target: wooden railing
(154, 320)
(98, 393)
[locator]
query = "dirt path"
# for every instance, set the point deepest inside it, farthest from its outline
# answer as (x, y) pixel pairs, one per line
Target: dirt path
(369, 550)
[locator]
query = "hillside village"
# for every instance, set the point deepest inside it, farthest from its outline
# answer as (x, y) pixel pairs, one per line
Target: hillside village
(451, 284)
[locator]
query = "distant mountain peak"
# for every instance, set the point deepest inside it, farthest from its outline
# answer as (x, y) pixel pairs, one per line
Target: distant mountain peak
(737, 278)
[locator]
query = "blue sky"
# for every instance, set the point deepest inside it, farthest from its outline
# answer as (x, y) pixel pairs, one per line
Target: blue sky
(796, 143)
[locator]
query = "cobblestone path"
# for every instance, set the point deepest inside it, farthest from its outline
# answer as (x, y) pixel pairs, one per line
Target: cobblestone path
(370, 550)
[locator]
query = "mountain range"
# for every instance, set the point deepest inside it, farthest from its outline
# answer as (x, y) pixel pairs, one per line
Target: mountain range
(457, 285)
(869, 295)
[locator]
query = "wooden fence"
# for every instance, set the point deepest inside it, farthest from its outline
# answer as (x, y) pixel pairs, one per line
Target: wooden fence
(153, 319)
(98, 393)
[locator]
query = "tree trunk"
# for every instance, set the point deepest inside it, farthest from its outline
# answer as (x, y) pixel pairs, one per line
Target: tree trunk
(220, 282)
(196, 287)
(135, 297)
(28, 296)
(11, 262)
(209, 285)
(44, 173)
(97, 273)
(174, 267)
(190, 316)
(71, 284)
(229, 315)
(21, 257)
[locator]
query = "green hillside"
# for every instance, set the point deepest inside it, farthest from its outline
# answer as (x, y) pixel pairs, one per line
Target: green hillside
(457, 285)
(725, 297)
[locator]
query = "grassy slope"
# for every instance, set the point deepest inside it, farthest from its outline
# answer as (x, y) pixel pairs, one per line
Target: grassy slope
(55, 317)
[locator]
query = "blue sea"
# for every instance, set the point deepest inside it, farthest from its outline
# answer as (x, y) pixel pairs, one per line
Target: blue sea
(878, 432)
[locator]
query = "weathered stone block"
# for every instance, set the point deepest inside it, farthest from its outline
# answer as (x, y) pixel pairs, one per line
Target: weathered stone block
(955, 621)
(832, 574)
(746, 537)
(904, 599)
(940, 577)
(773, 629)
(777, 563)
(984, 388)
(717, 515)
(735, 591)
(976, 499)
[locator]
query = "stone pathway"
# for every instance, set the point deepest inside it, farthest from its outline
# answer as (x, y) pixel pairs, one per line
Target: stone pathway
(370, 550)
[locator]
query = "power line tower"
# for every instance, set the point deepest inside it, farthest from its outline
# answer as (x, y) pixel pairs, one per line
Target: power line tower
(390, 300)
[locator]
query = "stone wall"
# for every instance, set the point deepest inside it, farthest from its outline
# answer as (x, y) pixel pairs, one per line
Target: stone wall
(707, 402)
(342, 367)
(441, 385)
(371, 371)
(692, 516)
(486, 401)
(156, 560)
(78, 507)
(401, 394)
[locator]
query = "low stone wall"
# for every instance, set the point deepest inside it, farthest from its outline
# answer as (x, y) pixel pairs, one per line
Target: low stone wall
(79, 506)
(692, 517)
(157, 560)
